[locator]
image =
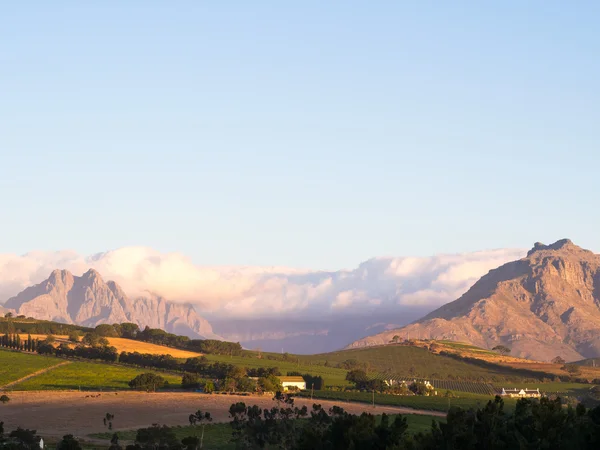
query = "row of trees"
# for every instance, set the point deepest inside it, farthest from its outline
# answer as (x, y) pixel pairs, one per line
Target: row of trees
(161, 337)
(15, 342)
(532, 425)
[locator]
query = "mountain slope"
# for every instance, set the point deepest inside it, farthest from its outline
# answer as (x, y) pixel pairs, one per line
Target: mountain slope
(544, 305)
(89, 301)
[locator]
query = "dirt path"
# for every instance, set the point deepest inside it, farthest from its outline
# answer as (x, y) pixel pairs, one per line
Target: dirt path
(56, 413)
(34, 374)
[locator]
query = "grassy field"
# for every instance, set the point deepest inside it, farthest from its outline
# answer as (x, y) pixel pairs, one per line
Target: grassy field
(417, 362)
(87, 376)
(575, 389)
(332, 376)
(218, 436)
(416, 401)
(15, 365)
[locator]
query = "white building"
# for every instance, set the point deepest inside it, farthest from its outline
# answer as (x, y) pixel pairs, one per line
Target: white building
(292, 382)
(521, 392)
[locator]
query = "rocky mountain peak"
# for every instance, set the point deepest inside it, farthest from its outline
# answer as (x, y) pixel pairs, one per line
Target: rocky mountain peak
(60, 277)
(89, 301)
(560, 247)
(544, 305)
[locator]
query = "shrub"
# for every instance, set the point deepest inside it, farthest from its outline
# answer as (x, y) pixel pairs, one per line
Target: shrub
(190, 381)
(148, 381)
(4, 399)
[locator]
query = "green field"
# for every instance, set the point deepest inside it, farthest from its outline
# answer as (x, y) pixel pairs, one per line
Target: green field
(218, 435)
(419, 362)
(434, 403)
(575, 389)
(331, 375)
(87, 376)
(469, 347)
(15, 365)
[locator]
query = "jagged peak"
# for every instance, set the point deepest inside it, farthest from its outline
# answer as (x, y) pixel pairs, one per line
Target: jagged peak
(59, 275)
(560, 245)
(92, 274)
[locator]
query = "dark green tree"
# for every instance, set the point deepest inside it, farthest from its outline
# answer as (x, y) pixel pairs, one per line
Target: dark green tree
(68, 442)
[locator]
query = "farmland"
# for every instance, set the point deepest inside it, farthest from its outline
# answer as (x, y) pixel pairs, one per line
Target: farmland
(472, 387)
(87, 376)
(433, 403)
(58, 413)
(417, 362)
(73, 375)
(571, 389)
(331, 375)
(15, 365)
(128, 345)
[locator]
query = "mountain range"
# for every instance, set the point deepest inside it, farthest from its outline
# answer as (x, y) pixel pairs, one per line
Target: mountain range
(541, 306)
(90, 301)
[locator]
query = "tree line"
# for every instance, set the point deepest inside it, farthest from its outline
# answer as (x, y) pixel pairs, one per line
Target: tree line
(534, 424)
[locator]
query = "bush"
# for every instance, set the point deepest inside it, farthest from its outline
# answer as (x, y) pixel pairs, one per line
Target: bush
(148, 381)
(4, 399)
(106, 330)
(74, 336)
(190, 381)
(209, 387)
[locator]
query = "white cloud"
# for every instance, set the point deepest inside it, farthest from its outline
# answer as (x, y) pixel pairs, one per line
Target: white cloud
(379, 284)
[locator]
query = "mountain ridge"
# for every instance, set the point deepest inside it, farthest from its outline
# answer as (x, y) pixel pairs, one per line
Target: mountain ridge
(88, 300)
(544, 305)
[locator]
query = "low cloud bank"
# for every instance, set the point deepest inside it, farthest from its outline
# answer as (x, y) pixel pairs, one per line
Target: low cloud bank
(378, 284)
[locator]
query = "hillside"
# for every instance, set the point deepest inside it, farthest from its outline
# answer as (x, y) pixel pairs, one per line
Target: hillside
(420, 362)
(89, 301)
(542, 306)
(127, 345)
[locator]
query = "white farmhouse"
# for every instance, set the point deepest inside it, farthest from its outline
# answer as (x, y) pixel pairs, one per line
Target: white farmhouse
(292, 382)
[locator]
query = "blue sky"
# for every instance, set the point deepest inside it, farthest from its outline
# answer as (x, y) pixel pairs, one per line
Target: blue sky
(310, 135)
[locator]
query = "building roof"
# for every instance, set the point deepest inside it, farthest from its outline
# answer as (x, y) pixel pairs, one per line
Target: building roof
(291, 379)
(517, 391)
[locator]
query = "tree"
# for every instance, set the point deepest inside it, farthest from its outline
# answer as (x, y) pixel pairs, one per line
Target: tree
(25, 438)
(157, 437)
(95, 340)
(114, 443)
(246, 385)
(502, 349)
(74, 336)
(190, 381)
(50, 339)
(237, 372)
(357, 376)
(201, 418)
(129, 330)
(270, 383)
(8, 315)
(209, 387)
(68, 443)
(4, 399)
(573, 369)
(147, 381)
(191, 443)
(108, 420)
(558, 360)
(106, 330)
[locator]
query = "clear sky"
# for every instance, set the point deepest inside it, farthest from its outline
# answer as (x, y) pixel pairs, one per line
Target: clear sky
(314, 134)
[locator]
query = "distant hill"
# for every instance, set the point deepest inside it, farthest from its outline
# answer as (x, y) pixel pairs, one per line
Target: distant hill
(542, 306)
(89, 301)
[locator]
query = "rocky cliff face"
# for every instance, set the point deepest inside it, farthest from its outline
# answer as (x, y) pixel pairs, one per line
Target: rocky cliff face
(89, 301)
(544, 305)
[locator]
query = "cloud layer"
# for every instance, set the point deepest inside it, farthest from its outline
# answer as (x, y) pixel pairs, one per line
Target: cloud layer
(378, 284)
